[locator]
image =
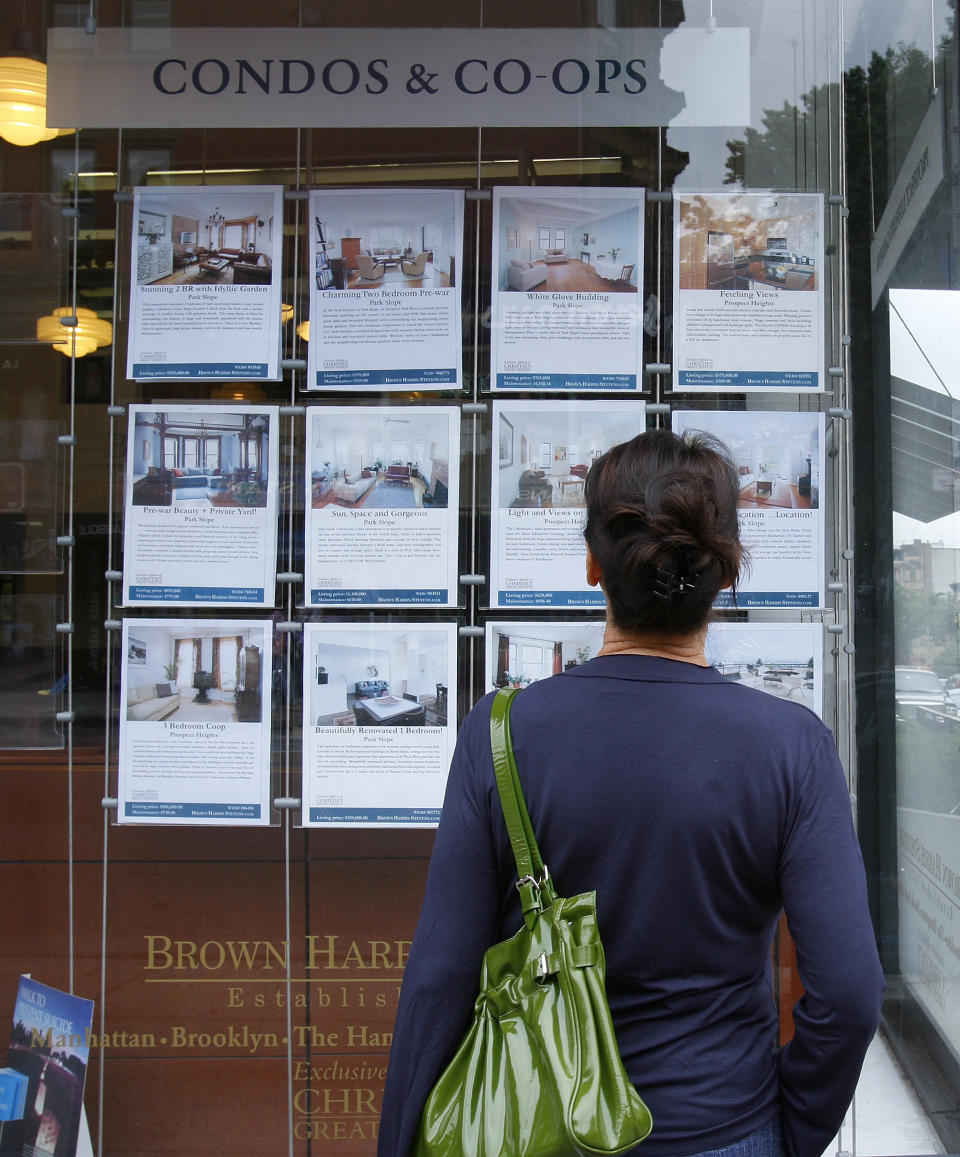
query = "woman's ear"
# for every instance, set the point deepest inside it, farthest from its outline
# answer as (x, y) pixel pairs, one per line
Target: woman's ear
(594, 576)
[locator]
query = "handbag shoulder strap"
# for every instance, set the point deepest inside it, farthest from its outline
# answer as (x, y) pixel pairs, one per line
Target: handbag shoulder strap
(533, 879)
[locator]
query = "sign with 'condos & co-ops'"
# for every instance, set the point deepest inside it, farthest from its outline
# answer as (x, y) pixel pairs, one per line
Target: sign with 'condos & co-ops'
(355, 77)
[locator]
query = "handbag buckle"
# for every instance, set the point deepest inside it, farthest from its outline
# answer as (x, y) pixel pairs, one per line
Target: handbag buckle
(543, 970)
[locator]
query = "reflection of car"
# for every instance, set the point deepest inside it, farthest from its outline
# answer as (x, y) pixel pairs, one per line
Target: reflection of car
(918, 687)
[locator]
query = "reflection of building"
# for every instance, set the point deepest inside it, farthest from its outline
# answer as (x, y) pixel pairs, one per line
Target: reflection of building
(215, 459)
(930, 567)
(399, 680)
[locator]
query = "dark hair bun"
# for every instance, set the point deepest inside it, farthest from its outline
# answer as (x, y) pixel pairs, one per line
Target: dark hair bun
(662, 527)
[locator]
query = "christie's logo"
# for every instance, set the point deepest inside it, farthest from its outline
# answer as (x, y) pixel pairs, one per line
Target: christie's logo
(341, 76)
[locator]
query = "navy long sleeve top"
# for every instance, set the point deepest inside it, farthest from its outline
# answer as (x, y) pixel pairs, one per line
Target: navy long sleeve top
(698, 809)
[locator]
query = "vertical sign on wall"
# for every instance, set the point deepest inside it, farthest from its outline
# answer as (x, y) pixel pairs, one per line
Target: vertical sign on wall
(385, 274)
(205, 283)
(748, 279)
(567, 289)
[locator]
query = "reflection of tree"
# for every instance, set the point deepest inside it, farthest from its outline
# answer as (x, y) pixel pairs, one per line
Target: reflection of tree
(925, 630)
(883, 106)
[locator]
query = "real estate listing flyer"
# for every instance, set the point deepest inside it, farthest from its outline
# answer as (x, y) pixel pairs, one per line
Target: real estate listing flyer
(201, 506)
(748, 275)
(781, 659)
(379, 722)
(519, 653)
(50, 1048)
(205, 284)
(778, 456)
(382, 505)
(385, 289)
(567, 289)
(195, 722)
(543, 451)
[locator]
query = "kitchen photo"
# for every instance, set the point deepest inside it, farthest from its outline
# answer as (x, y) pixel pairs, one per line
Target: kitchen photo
(748, 241)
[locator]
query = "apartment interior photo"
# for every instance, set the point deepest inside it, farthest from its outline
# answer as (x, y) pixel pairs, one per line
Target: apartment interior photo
(193, 672)
(778, 461)
(369, 240)
(544, 456)
(182, 458)
(521, 653)
(752, 242)
(773, 662)
(568, 243)
(398, 680)
(204, 239)
(373, 460)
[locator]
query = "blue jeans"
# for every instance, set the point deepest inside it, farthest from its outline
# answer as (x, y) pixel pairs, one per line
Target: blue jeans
(763, 1142)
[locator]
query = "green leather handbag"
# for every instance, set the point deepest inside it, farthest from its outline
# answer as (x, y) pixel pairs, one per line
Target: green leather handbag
(539, 1072)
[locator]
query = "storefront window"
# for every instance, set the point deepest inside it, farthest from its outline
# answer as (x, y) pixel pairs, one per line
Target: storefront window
(800, 150)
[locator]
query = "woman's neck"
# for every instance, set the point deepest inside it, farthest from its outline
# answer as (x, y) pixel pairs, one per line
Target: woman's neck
(682, 648)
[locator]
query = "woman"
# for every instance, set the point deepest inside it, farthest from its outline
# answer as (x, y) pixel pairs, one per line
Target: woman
(698, 809)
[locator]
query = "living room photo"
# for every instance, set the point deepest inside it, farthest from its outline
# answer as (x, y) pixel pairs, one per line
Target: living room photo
(367, 239)
(520, 653)
(199, 456)
(205, 236)
(568, 240)
(380, 459)
(544, 451)
(193, 671)
(385, 678)
(777, 454)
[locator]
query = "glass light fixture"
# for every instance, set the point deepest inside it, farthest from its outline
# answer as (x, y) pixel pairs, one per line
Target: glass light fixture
(90, 332)
(286, 312)
(23, 102)
(303, 330)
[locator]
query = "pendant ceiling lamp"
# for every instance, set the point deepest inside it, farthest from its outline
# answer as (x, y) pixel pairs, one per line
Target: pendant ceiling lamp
(303, 330)
(90, 332)
(23, 95)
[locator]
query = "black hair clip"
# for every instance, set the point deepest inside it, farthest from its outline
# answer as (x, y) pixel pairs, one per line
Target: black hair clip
(670, 586)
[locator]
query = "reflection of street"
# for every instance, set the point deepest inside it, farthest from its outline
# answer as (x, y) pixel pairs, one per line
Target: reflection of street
(928, 762)
(29, 718)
